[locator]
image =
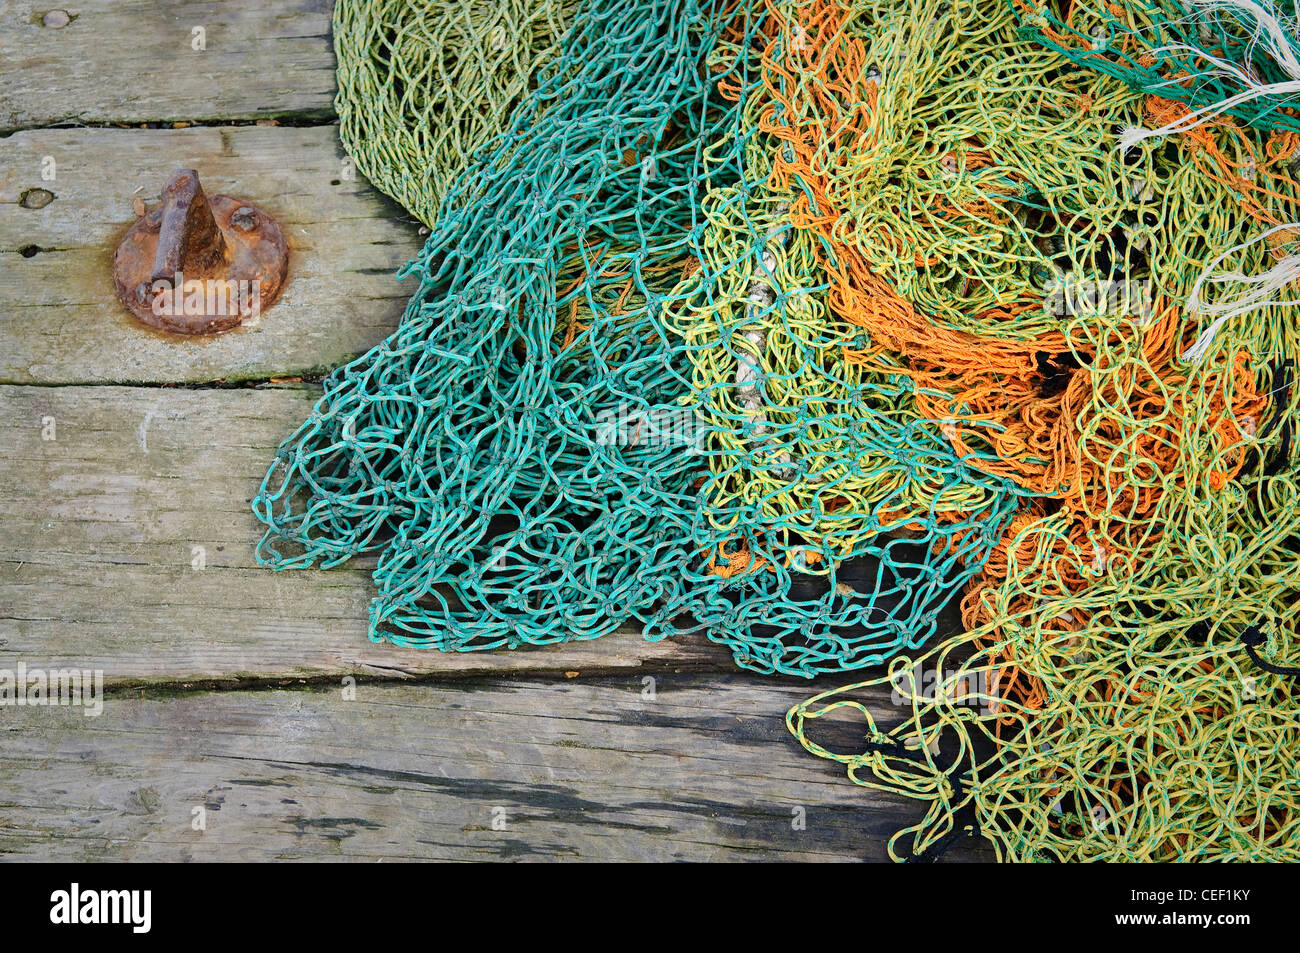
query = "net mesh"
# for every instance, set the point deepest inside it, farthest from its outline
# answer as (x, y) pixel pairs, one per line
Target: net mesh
(1231, 57)
(422, 86)
(1101, 704)
(790, 322)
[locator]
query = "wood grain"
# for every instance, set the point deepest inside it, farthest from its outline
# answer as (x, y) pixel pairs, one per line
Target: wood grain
(104, 524)
(107, 521)
(704, 770)
(134, 61)
(60, 317)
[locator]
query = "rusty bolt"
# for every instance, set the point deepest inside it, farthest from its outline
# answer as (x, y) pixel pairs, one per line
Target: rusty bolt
(197, 264)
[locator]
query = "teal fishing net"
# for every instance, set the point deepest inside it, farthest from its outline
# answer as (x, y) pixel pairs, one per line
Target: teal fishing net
(1236, 57)
(617, 397)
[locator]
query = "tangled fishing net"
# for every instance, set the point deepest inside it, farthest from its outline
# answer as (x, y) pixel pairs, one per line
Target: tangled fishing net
(1119, 692)
(1222, 57)
(618, 397)
(421, 86)
(792, 323)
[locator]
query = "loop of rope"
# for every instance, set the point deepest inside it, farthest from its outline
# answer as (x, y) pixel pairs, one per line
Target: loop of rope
(1252, 638)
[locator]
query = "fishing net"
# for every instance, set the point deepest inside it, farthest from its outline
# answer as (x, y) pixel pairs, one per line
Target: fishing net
(790, 323)
(466, 447)
(1107, 700)
(1165, 729)
(618, 397)
(1233, 57)
(838, 513)
(423, 85)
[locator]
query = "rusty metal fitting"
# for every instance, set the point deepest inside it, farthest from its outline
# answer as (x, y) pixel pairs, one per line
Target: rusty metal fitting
(200, 265)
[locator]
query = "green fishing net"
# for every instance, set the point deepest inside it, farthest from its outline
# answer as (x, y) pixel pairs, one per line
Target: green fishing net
(423, 85)
(617, 398)
(465, 447)
(1125, 687)
(1226, 56)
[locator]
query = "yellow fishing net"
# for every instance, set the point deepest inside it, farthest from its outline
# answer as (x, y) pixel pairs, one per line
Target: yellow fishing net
(795, 322)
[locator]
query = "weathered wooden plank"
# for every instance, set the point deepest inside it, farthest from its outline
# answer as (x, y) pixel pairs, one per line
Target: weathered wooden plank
(60, 318)
(697, 769)
(136, 61)
(105, 522)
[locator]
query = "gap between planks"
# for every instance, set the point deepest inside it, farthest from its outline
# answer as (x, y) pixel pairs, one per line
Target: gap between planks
(137, 61)
(689, 768)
